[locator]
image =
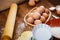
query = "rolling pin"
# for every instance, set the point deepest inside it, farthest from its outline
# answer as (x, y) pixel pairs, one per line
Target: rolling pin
(9, 27)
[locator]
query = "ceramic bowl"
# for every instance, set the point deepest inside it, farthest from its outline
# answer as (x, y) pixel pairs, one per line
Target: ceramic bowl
(55, 27)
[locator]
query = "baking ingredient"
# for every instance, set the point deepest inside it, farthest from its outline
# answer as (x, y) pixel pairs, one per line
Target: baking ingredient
(20, 28)
(43, 19)
(46, 10)
(36, 15)
(30, 20)
(9, 26)
(37, 0)
(45, 15)
(25, 35)
(58, 9)
(58, 12)
(31, 15)
(40, 9)
(56, 32)
(52, 8)
(31, 2)
(37, 22)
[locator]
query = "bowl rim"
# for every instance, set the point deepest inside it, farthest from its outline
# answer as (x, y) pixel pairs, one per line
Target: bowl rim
(50, 14)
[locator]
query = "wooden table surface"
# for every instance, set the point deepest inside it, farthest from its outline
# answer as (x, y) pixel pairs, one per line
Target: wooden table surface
(23, 9)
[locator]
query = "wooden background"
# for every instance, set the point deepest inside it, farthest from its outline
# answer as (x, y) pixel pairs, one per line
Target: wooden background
(23, 9)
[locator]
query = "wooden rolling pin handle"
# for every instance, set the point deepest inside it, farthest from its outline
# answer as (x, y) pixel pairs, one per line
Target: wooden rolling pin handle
(9, 27)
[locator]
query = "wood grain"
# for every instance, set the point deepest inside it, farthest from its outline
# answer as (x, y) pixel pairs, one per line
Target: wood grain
(23, 9)
(5, 4)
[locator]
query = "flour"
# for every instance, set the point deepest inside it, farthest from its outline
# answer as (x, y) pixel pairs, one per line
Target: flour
(56, 32)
